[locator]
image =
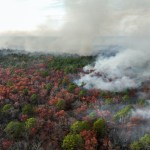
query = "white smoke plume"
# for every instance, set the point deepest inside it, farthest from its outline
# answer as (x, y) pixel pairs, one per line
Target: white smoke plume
(131, 64)
(127, 69)
(143, 113)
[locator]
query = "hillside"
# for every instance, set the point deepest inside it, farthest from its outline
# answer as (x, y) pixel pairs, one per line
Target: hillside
(42, 107)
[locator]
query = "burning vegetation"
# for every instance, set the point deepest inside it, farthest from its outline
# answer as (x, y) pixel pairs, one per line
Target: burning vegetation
(42, 107)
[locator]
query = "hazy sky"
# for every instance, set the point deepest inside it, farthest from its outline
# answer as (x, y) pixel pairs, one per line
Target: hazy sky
(73, 26)
(29, 14)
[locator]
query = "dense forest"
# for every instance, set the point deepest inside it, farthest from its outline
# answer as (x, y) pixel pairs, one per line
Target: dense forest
(42, 108)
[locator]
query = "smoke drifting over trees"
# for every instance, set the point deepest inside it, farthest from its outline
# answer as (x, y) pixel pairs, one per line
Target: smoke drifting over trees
(90, 25)
(101, 99)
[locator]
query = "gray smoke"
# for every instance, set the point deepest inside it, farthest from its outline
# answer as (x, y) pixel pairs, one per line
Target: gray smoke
(87, 22)
(143, 113)
(127, 69)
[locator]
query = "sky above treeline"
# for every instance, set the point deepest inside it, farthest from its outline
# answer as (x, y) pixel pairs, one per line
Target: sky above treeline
(27, 15)
(73, 25)
(21, 15)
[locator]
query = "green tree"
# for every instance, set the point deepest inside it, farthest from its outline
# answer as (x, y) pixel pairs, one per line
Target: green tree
(135, 146)
(61, 104)
(72, 142)
(125, 98)
(14, 129)
(34, 98)
(123, 113)
(6, 108)
(25, 91)
(142, 144)
(142, 102)
(100, 127)
(48, 87)
(78, 126)
(82, 93)
(92, 115)
(108, 101)
(28, 109)
(44, 73)
(71, 87)
(30, 123)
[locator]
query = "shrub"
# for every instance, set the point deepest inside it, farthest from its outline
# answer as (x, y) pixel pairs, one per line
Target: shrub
(48, 87)
(82, 93)
(71, 87)
(34, 98)
(125, 98)
(72, 142)
(100, 127)
(61, 104)
(78, 126)
(30, 123)
(69, 64)
(126, 91)
(9, 83)
(142, 102)
(65, 81)
(27, 109)
(25, 92)
(142, 144)
(6, 108)
(123, 113)
(15, 91)
(145, 141)
(135, 146)
(108, 101)
(70, 69)
(44, 73)
(14, 129)
(92, 115)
